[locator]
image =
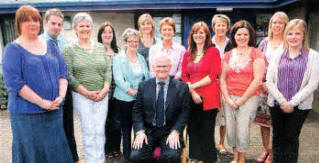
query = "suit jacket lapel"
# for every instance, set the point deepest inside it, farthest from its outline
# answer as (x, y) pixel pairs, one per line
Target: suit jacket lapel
(171, 92)
(153, 94)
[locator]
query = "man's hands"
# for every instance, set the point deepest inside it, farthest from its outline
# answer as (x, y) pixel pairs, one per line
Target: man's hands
(173, 140)
(139, 140)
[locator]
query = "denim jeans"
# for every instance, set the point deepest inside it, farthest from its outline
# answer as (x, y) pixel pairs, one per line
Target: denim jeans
(39, 138)
(92, 116)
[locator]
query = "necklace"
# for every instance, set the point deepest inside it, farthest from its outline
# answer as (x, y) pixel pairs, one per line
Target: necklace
(242, 52)
(199, 54)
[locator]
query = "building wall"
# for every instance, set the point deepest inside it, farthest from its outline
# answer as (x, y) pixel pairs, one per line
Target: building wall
(120, 21)
(313, 25)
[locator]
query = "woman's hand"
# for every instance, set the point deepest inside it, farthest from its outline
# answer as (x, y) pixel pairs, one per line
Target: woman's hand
(58, 100)
(92, 95)
(231, 103)
(286, 107)
(264, 88)
(239, 102)
(196, 98)
(48, 105)
(131, 92)
(190, 87)
(101, 95)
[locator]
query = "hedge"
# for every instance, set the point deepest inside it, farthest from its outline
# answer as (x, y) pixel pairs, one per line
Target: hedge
(3, 93)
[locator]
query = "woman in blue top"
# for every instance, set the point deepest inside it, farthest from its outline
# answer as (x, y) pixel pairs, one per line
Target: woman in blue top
(129, 69)
(36, 77)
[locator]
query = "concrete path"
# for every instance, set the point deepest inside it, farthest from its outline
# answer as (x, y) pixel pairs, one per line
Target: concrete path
(309, 141)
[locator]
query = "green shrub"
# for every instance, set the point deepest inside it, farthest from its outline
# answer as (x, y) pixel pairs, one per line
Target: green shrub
(3, 93)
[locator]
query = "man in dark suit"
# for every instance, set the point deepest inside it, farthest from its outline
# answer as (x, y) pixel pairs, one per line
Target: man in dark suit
(159, 116)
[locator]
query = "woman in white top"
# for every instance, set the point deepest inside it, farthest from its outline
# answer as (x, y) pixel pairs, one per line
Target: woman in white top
(292, 78)
(220, 26)
(269, 46)
(169, 48)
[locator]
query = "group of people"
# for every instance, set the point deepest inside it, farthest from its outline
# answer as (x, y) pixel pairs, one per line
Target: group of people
(156, 87)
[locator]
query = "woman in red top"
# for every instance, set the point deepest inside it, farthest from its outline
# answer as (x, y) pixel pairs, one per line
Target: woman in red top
(200, 68)
(240, 80)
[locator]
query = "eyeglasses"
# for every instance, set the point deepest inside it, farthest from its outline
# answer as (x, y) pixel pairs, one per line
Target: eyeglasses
(162, 67)
(131, 42)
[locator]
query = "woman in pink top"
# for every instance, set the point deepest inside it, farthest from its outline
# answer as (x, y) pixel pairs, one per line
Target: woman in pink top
(241, 77)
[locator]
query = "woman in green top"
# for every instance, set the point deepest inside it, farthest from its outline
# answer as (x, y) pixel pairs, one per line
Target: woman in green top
(90, 75)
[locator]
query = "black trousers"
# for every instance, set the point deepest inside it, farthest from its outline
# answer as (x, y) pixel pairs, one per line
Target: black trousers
(157, 137)
(125, 109)
(286, 131)
(112, 129)
(68, 123)
(201, 131)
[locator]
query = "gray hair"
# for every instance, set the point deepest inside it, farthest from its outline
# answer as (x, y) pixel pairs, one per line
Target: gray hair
(161, 57)
(81, 16)
(128, 32)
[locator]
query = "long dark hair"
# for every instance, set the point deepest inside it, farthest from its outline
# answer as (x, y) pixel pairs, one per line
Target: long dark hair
(192, 48)
(114, 46)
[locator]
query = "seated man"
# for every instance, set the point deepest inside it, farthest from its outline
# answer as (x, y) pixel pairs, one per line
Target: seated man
(159, 116)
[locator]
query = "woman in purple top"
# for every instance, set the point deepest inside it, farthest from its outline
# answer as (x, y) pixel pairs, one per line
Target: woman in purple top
(269, 46)
(292, 77)
(36, 77)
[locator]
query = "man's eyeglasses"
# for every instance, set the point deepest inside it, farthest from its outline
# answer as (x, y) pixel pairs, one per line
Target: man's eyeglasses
(131, 42)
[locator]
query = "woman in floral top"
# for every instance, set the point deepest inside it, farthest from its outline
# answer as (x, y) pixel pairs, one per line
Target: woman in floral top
(241, 77)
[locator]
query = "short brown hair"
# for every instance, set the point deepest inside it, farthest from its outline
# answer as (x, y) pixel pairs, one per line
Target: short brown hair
(146, 18)
(242, 24)
(168, 21)
(192, 48)
(220, 17)
(23, 14)
(53, 11)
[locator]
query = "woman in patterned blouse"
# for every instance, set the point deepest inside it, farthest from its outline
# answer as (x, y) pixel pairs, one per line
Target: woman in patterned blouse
(241, 77)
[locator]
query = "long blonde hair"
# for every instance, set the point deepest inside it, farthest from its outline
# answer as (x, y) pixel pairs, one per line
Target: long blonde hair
(282, 16)
(146, 18)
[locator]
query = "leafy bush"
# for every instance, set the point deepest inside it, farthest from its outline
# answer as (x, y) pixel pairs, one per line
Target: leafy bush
(3, 93)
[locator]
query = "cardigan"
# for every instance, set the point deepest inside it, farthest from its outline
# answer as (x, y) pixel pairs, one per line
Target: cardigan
(92, 70)
(39, 72)
(304, 98)
(124, 76)
(209, 65)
